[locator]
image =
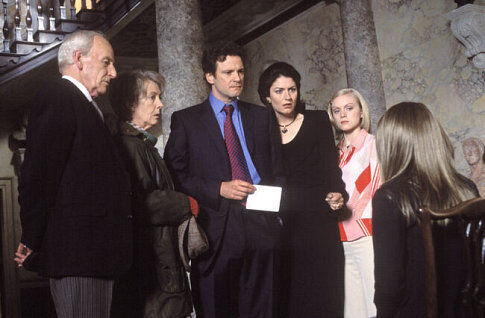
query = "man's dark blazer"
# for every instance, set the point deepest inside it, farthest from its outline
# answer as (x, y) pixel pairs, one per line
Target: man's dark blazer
(73, 189)
(197, 158)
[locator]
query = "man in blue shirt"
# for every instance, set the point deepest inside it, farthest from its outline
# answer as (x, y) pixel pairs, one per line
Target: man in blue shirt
(217, 151)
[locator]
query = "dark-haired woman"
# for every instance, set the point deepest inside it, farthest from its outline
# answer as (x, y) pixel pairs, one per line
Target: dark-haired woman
(156, 286)
(416, 158)
(312, 198)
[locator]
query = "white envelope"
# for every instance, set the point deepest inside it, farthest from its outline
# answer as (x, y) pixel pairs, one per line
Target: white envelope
(265, 198)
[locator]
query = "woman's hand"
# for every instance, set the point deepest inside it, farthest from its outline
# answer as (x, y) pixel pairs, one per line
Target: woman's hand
(22, 252)
(335, 200)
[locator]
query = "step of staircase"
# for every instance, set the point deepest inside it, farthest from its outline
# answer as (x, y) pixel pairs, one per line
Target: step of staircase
(24, 47)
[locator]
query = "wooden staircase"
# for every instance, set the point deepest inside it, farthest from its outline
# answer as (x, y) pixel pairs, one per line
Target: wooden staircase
(32, 35)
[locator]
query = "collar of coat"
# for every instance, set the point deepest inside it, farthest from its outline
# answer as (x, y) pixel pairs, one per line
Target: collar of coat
(130, 130)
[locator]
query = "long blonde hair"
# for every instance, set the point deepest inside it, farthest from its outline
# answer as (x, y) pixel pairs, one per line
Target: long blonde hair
(364, 123)
(414, 150)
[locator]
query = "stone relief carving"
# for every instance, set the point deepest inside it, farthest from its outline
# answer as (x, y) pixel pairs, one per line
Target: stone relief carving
(473, 150)
(468, 26)
(469, 84)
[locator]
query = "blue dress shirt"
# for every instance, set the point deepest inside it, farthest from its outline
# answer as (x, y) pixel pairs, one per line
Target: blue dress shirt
(217, 107)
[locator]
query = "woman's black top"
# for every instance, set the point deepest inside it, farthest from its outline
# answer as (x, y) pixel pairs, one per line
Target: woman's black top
(316, 284)
(399, 259)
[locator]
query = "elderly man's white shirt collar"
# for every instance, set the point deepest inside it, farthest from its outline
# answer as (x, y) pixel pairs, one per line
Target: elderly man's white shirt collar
(81, 87)
(85, 92)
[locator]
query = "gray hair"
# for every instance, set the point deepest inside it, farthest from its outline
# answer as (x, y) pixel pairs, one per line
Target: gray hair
(127, 88)
(81, 40)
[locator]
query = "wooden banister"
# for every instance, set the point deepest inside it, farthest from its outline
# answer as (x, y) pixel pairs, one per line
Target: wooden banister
(471, 213)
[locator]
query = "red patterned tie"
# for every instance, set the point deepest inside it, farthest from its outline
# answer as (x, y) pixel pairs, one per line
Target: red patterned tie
(239, 167)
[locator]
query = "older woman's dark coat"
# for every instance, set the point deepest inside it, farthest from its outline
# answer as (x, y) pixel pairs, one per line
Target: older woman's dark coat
(156, 285)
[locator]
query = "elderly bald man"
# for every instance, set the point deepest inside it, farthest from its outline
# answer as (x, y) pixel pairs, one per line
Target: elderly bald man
(73, 188)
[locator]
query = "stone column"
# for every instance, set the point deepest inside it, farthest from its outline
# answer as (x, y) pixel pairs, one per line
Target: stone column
(180, 45)
(362, 61)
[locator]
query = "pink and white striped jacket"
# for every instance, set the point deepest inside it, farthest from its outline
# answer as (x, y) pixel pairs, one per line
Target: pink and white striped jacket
(361, 174)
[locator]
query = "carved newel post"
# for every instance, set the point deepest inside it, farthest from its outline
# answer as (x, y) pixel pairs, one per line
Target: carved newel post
(40, 18)
(16, 19)
(6, 30)
(62, 9)
(28, 22)
(52, 18)
(468, 26)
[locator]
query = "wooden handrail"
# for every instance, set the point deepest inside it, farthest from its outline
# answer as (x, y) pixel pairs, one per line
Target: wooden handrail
(472, 212)
(471, 208)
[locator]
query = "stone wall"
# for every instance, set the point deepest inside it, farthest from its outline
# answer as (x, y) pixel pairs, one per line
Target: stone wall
(422, 61)
(312, 43)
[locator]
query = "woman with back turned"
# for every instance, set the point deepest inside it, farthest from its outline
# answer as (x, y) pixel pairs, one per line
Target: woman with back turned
(416, 158)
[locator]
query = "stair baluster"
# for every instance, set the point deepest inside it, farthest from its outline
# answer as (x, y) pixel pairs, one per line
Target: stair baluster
(40, 17)
(52, 18)
(62, 9)
(28, 22)
(73, 10)
(6, 30)
(16, 19)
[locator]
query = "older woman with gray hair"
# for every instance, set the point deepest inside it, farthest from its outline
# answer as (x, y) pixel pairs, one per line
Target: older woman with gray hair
(156, 285)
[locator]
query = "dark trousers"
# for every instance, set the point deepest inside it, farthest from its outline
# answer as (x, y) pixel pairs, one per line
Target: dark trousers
(243, 281)
(81, 297)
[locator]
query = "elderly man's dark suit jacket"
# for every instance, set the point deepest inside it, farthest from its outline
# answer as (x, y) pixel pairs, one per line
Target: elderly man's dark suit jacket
(73, 189)
(197, 158)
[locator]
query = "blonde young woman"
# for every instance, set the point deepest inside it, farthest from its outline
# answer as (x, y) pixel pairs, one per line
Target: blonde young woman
(349, 114)
(416, 158)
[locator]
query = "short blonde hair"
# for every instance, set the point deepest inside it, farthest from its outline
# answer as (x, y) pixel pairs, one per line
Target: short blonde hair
(364, 107)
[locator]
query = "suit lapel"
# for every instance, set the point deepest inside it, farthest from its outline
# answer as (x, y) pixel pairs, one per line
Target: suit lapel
(248, 126)
(208, 119)
(93, 118)
(86, 104)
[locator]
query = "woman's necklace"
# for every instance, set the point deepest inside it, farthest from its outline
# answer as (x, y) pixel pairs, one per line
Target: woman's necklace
(284, 130)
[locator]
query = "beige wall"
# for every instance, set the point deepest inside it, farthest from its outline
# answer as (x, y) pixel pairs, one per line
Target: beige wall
(312, 43)
(422, 61)
(6, 169)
